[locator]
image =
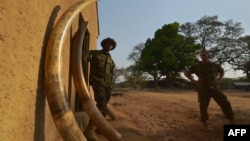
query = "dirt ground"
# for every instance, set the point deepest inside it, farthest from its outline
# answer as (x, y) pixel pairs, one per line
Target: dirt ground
(172, 115)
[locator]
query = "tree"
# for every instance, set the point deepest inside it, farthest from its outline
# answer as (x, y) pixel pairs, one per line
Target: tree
(136, 77)
(150, 60)
(245, 58)
(247, 69)
(136, 52)
(221, 39)
(133, 79)
(168, 53)
(118, 75)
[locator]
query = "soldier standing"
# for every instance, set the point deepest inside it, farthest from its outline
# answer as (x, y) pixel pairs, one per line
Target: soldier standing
(101, 76)
(209, 77)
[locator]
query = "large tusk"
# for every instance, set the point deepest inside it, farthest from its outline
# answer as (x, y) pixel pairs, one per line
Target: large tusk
(81, 87)
(56, 96)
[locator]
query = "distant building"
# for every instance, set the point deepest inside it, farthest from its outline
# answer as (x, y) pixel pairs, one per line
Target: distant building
(241, 85)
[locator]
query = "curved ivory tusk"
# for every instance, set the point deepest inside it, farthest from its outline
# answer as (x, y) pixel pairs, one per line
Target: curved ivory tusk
(81, 87)
(56, 96)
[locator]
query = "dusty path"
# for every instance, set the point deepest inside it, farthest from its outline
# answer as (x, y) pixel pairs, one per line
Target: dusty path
(172, 115)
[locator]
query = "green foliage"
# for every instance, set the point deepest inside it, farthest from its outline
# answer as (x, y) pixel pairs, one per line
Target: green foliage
(175, 47)
(227, 83)
(247, 69)
(241, 79)
(168, 53)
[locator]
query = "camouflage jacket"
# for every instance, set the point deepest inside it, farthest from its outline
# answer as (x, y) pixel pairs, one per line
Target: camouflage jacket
(101, 67)
(207, 73)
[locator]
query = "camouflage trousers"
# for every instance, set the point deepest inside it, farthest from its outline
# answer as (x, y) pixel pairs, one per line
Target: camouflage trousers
(204, 97)
(102, 96)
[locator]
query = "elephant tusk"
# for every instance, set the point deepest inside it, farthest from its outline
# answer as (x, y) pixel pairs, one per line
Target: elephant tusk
(56, 96)
(88, 104)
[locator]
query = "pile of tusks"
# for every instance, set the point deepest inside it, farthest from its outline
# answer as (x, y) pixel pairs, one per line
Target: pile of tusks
(58, 103)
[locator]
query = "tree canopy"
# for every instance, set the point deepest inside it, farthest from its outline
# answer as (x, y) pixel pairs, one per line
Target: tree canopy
(168, 53)
(221, 39)
(175, 47)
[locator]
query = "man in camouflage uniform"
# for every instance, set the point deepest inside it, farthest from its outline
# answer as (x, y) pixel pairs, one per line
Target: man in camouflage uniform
(101, 73)
(209, 77)
(101, 76)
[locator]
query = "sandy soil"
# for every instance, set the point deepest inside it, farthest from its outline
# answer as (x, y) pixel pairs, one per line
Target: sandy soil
(172, 115)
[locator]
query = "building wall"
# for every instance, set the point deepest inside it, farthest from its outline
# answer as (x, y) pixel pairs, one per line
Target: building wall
(24, 31)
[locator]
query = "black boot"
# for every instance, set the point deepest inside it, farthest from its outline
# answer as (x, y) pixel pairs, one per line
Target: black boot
(206, 126)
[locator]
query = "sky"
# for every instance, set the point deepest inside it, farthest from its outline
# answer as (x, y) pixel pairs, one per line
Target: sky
(130, 22)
